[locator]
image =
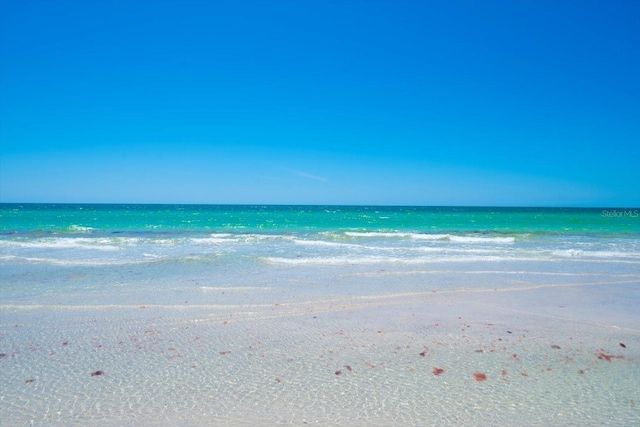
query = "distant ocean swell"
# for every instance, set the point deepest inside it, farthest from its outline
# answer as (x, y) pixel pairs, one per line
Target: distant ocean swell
(426, 222)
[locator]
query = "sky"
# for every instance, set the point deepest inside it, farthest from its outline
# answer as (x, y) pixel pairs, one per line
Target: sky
(472, 103)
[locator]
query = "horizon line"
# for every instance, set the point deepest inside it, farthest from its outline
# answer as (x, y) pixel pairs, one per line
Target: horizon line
(325, 205)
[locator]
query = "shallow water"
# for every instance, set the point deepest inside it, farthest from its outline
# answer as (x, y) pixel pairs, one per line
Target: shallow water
(346, 326)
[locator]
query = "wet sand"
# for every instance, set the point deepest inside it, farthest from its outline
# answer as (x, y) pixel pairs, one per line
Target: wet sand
(546, 353)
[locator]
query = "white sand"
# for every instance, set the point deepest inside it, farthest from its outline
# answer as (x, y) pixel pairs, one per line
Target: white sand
(559, 345)
(554, 352)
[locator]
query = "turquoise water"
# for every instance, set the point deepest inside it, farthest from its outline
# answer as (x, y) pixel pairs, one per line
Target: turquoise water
(46, 242)
(334, 315)
(112, 235)
(235, 218)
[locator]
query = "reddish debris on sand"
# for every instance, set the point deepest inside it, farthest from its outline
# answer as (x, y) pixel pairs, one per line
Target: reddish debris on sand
(555, 347)
(423, 354)
(225, 352)
(608, 357)
(97, 373)
(479, 376)
(29, 381)
(338, 372)
(622, 345)
(438, 371)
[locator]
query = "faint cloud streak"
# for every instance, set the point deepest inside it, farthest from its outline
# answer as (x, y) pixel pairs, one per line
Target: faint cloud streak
(308, 175)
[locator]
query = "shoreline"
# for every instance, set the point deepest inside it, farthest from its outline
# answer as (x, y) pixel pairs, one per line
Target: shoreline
(471, 358)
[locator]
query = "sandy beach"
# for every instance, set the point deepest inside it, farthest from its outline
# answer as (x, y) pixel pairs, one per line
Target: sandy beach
(560, 349)
(338, 213)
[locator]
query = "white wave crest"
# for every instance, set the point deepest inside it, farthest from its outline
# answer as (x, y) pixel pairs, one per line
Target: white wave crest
(424, 236)
(427, 236)
(579, 253)
(80, 229)
(63, 243)
(211, 240)
(77, 262)
(325, 243)
(473, 239)
(374, 234)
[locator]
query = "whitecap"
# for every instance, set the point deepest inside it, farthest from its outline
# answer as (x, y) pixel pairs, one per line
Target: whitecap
(80, 229)
(474, 239)
(324, 243)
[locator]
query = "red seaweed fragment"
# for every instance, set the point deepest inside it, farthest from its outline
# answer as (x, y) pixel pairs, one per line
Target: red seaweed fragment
(555, 347)
(97, 373)
(603, 356)
(479, 376)
(29, 381)
(423, 354)
(622, 345)
(338, 372)
(438, 371)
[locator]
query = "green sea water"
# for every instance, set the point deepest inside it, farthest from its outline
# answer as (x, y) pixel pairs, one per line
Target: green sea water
(110, 235)
(330, 315)
(77, 218)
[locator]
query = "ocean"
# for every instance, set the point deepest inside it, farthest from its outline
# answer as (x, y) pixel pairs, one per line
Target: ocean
(335, 315)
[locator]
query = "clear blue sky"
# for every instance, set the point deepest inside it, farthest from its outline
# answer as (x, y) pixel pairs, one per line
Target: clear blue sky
(523, 103)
